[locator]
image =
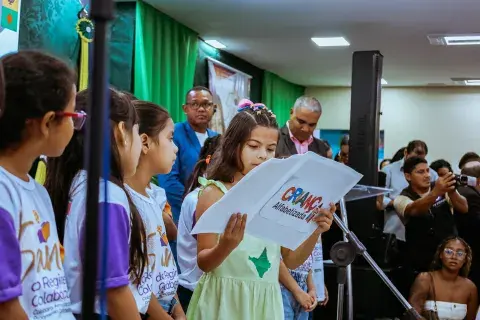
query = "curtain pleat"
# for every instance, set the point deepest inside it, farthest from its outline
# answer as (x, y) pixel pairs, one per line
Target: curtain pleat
(165, 59)
(279, 95)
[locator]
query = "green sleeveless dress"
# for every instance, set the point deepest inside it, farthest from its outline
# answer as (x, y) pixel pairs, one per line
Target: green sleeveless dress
(244, 287)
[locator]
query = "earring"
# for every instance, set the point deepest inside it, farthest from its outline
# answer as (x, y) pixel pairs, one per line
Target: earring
(125, 142)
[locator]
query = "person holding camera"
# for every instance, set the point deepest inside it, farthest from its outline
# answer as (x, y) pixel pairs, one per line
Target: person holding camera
(425, 209)
(468, 224)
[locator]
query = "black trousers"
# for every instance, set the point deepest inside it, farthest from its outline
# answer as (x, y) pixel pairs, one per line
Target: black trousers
(184, 296)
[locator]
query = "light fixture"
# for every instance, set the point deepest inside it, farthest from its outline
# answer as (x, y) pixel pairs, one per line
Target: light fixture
(216, 44)
(472, 82)
(331, 42)
(455, 39)
(384, 81)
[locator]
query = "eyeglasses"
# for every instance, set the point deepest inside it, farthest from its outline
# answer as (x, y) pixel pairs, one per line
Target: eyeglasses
(459, 253)
(78, 118)
(205, 105)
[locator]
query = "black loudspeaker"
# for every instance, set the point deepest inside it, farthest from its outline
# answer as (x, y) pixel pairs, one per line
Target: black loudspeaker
(364, 135)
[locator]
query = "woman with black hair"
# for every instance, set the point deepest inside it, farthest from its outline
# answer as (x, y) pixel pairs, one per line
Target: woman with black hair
(342, 155)
(441, 167)
(399, 154)
(445, 292)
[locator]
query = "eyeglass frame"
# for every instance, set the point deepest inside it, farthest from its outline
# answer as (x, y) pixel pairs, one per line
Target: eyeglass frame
(77, 115)
(460, 254)
(207, 106)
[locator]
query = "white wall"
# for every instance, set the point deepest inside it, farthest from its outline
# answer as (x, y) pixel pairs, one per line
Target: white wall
(447, 119)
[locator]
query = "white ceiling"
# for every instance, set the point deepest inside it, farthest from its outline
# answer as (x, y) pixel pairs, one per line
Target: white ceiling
(275, 35)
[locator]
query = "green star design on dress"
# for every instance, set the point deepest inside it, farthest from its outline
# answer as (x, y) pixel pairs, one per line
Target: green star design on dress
(261, 263)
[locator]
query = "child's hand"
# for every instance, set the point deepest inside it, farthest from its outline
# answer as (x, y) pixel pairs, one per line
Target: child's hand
(234, 231)
(303, 298)
(324, 302)
(324, 218)
(313, 295)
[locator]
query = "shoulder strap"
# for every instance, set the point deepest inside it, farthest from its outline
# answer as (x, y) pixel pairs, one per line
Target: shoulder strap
(433, 291)
(205, 183)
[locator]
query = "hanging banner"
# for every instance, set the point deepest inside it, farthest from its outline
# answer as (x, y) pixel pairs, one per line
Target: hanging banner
(9, 25)
(228, 87)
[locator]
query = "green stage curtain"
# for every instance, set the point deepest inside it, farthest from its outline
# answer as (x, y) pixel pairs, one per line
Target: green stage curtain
(165, 59)
(279, 95)
(49, 25)
(121, 46)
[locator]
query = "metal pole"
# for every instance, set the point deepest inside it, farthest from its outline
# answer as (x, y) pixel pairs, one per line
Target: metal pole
(343, 213)
(101, 13)
(340, 296)
(412, 313)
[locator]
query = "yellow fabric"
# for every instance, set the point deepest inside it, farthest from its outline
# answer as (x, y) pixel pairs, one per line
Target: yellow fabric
(83, 81)
(168, 209)
(244, 286)
(41, 173)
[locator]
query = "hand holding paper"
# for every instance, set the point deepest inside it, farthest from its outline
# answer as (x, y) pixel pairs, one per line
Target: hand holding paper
(233, 234)
(324, 218)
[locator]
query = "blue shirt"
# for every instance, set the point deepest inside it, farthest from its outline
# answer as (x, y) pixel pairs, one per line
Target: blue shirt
(397, 182)
(188, 152)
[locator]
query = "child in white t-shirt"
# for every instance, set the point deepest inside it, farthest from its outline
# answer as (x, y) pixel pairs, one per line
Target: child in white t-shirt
(157, 157)
(190, 273)
(126, 280)
(39, 118)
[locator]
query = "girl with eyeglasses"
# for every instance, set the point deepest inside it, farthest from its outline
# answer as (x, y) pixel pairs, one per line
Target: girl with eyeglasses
(39, 119)
(445, 292)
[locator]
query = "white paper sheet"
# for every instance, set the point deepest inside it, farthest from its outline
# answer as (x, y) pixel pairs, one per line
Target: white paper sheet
(318, 275)
(280, 196)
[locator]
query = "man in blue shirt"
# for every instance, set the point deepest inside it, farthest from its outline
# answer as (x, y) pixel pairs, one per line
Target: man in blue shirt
(189, 136)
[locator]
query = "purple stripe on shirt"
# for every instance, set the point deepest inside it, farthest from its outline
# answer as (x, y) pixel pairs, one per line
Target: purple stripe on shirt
(11, 261)
(118, 248)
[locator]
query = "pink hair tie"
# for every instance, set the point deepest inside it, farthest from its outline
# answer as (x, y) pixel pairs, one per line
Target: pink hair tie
(247, 104)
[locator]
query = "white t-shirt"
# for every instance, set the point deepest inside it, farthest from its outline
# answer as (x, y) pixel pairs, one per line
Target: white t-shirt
(31, 263)
(164, 270)
(118, 242)
(190, 273)
(201, 137)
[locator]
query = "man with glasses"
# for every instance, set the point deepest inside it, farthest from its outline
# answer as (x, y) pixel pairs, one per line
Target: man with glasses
(189, 136)
(425, 209)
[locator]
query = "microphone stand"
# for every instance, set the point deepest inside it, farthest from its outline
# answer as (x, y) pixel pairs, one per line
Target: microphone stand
(343, 254)
(101, 13)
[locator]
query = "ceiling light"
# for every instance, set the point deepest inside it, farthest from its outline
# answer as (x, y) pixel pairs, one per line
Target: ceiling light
(472, 82)
(331, 42)
(384, 81)
(455, 40)
(216, 44)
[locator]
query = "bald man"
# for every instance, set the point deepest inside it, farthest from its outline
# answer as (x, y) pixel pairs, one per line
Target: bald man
(296, 136)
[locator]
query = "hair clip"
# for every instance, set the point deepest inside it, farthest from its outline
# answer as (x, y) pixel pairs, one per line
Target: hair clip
(247, 104)
(207, 160)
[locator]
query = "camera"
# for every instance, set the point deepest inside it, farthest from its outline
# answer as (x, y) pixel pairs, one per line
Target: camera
(463, 181)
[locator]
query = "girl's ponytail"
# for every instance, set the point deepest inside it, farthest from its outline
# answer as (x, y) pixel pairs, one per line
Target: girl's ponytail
(211, 144)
